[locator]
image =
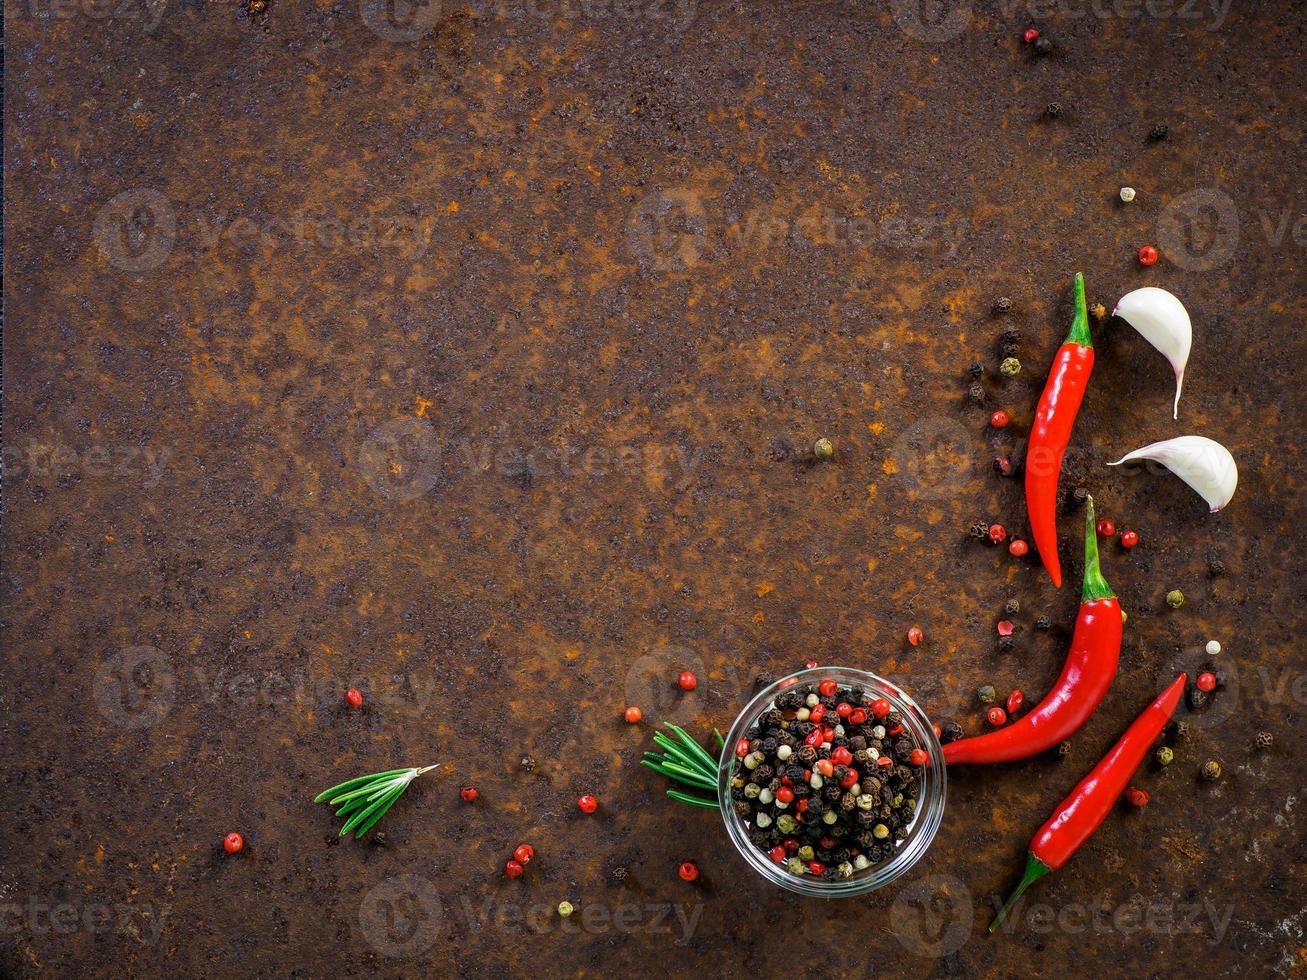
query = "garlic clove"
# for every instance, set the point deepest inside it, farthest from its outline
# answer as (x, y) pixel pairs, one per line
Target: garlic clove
(1203, 463)
(1163, 321)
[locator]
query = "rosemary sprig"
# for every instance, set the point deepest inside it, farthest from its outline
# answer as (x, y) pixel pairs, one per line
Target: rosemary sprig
(367, 798)
(685, 761)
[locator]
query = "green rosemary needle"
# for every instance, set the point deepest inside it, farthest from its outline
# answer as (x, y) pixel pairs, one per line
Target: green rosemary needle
(685, 761)
(366, 799)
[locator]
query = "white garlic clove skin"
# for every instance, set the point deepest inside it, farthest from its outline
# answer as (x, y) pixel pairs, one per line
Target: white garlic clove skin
(1203, 463)
(1164, 322)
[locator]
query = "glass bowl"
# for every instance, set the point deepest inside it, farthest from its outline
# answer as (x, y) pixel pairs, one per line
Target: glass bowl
(930, 804)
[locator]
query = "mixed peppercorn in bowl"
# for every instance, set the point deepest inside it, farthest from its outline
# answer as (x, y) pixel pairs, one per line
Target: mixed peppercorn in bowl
(832, 782)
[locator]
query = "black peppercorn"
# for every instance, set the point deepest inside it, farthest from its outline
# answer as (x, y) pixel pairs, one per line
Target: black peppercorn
(976, 370)
(979, 531)
(762, 680)
(1044, 46)
(1063, 749)
(528, 764)
(1043, 623)
(807, 755)
(949, 731)
(1003, 305)
(744, 810)
(1012, 607)
(1010, 336)
(1053, 110)
(1010, 349)
(1080, 495)
(977, 393)
(1216, 568)
(1005, 643)
(1198, 699)
(1158, 133)
(1264, 740)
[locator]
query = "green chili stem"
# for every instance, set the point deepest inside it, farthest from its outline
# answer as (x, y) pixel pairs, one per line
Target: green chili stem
(1035, 869)
(1096, 586)
(1079, 332)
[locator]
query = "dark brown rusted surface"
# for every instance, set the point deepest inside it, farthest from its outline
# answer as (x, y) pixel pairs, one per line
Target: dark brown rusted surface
(475, 363)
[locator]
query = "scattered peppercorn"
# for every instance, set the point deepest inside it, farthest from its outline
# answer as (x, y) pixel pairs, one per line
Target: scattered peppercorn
(950, 731)
(1165, 755)
(1175, 598)
(1030, 36)
(528, 764)
(1005, 644)
(633, 715)
(1211, 770)
(354, 698)
(565, 909)
(1063, 749)
(1003, 465)
(688, 870)
(1158, 133)
(1106, 529)
(1014, 701)
(1018, 548)
(513, 869)
(1003, 305)
(999, 419)
(1198, 699)
(977, 393)
(823, 449)
(1044, 46)
(1012, 607)
(1053, 110)
(1212, 648)
(996, 716)
(915, 635)
(1182, 732)
(468, 793)
(1206, 681)
(987, 694)
(1010, 367)
(523, 854)
(686, 681)
(1216, 568)
(1043, 623)
(588, 804)
(980, 531)
(1080, 495)
(1010, 335)
(997, 533)
(976, 369)
(1137, 797)
(1147, 255)
(1127, 194)
(1006, 627)
(1264, 740)
(1129, 539)
(233, 843)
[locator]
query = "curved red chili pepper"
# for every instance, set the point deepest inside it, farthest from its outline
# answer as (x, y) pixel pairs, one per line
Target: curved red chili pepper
(1086, 675)
(1081, 813)
(1063, 392)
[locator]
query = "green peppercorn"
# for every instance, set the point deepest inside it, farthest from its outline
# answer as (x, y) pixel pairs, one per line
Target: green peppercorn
(1211, 770)
(987, 694)
(797, 867)
(565, 909)
(1264, 740)
(1175, 598)
(1010, 367)
(806, 852)
(823, 449)
(880, 831)
(1165, 756)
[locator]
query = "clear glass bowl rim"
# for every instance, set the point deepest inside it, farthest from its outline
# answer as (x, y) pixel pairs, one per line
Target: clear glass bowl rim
(930, 805)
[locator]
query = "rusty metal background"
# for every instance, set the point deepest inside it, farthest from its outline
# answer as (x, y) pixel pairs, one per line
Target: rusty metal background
(472, 355)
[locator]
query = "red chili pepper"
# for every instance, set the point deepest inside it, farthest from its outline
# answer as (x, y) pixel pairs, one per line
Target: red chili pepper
(1081, 813)
(1086, 675)
(1051, 431)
